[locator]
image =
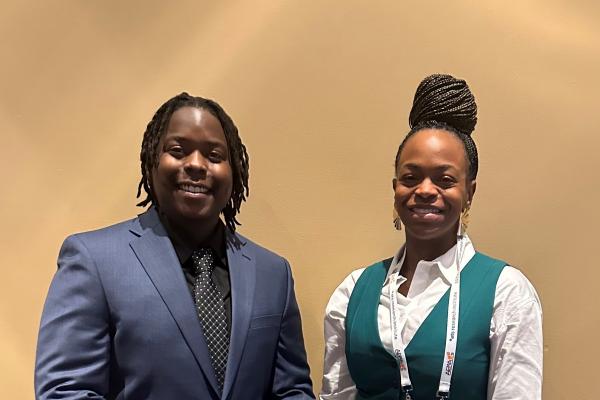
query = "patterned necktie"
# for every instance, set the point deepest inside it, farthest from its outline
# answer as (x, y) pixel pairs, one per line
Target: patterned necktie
(211, 310)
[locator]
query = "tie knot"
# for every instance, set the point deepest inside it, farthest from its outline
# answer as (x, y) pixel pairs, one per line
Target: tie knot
(204, 260)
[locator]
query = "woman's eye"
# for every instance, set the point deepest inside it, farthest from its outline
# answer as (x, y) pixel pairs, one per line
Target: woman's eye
(447, 181)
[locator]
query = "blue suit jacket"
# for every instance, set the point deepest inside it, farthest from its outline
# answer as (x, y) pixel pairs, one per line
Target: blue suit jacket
(119, 323)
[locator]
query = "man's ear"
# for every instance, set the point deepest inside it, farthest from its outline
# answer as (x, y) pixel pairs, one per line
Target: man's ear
(150, 182)
(394, 181)
(149, 178)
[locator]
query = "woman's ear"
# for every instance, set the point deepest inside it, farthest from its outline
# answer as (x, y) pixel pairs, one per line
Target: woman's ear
(471, 187)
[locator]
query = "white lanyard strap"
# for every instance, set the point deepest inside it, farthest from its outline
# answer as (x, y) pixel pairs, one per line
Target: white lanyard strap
(451, 332)
(396, 335)
(451, 338)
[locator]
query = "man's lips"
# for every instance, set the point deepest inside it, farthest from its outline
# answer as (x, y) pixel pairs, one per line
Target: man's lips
(194, 188)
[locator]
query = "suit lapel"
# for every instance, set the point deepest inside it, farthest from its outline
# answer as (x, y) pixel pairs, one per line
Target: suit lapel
(242, 275)
(155, 252)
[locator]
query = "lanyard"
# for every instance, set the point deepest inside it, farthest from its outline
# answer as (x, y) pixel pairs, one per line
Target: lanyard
(451, 331)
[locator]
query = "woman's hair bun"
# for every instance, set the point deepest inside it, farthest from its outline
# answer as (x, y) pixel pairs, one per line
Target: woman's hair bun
(444, 99)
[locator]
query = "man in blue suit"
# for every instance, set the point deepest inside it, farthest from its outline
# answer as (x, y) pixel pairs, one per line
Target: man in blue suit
(174, 304)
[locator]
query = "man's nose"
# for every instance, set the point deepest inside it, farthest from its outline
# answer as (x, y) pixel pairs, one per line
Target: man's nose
(196, 163)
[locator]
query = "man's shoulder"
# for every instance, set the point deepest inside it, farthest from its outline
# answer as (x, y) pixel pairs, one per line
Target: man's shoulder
(249, 246)
(119, 232)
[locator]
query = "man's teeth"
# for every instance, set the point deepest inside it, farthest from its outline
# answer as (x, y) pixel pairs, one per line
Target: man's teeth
(194, 189)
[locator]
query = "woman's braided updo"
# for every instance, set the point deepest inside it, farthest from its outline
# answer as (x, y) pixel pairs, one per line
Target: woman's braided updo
(445, 102)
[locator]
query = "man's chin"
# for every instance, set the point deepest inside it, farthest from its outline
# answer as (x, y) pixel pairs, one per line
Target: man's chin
(192, 215)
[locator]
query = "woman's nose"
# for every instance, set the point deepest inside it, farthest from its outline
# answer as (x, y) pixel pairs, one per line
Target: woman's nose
(426, 189)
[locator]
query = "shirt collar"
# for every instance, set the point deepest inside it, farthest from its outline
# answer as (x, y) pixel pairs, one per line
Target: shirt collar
(216, 241)
(445, 263)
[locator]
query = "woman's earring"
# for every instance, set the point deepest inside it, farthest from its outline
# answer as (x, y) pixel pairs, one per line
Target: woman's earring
(464, 219)
(397, 222)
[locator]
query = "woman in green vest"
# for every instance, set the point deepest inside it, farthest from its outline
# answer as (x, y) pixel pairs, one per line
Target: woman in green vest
(438, 319)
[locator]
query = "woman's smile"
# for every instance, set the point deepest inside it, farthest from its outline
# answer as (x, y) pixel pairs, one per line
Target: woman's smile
(426, 213)
(431, 187)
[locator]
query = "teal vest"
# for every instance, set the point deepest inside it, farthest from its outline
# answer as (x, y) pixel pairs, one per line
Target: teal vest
(375, 371)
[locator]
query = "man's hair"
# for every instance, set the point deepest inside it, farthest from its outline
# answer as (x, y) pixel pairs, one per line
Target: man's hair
(238, 157)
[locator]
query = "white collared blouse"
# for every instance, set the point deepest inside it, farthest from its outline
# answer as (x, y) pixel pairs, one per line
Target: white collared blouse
(515, 329)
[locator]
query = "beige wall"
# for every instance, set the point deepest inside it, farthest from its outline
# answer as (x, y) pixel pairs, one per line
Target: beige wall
(321, 92)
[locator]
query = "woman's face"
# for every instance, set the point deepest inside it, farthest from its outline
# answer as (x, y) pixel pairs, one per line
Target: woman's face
(432, 187)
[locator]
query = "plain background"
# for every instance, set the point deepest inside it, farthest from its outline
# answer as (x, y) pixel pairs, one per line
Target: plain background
(320, 91)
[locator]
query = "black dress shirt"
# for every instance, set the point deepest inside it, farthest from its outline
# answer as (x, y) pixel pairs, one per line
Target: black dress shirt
(220, 275)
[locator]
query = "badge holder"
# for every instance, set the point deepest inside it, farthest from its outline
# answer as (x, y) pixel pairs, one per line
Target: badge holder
(407, 392)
